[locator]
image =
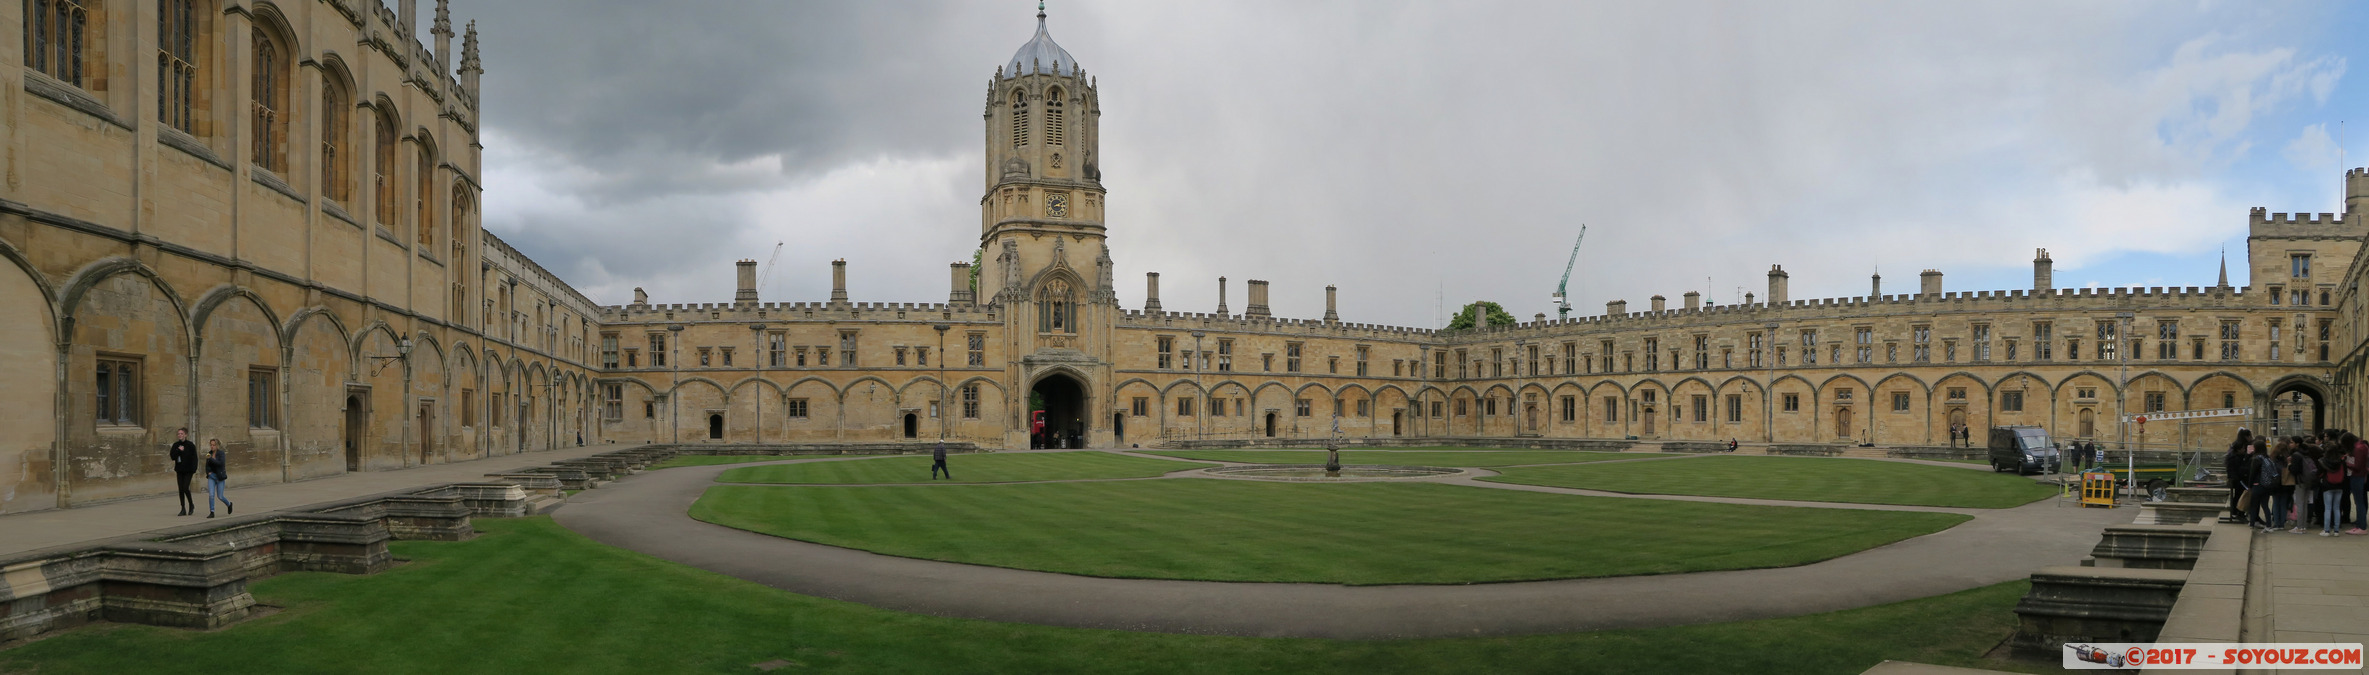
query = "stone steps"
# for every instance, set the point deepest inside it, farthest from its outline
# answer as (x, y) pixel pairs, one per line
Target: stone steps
(2179, 513)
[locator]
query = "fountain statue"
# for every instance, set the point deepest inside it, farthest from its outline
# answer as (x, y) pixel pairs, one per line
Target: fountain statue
(1332, 449)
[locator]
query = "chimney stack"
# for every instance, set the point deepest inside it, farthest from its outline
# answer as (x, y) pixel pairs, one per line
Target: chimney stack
(1258, 300)
(1660, 304)
(839, 281)
(2043, 273)
(1332, 311)
(1616, 308)
(1221, 297)
(1778, 279)
(1747, 299)
(961, 293)
(1694, 300)
(1151, 292)
(748, 283)
(1930, 283)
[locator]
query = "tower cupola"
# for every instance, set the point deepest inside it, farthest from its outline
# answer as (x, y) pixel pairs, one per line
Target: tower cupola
(1041, 56)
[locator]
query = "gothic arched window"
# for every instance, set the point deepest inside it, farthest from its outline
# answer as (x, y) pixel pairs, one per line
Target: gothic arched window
(177, 45)
(335, 102)
(1056, 312)
(1053, 128)
(58, 41)
(1019, 118)
(269, 94)
(422, 202)
(383, 166)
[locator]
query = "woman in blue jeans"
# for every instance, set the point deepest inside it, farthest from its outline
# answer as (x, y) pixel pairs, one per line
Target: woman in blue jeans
(2271, 490)
(2356, 471)
(2331, 485)
(217, 471)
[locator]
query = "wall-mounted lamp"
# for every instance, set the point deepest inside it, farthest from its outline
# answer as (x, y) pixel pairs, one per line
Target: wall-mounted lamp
(402, 353)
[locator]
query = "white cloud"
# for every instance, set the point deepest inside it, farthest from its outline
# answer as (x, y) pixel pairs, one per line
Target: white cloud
(2312, 150)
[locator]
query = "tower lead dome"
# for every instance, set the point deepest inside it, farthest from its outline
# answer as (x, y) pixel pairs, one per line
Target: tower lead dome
(1041, 55)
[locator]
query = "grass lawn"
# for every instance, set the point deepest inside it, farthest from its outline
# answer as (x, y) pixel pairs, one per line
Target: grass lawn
(1358, 533)
(1406, 458)
(1863, 481)
(530, 596)
(712, 460)
(967, 468)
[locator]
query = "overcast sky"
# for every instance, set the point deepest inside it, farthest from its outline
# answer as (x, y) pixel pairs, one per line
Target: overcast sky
(1412, 151)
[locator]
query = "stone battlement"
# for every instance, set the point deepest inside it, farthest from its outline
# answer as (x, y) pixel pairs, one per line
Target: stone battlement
(2069, 299)
(2261, 216)
(1242, 323)
(798, 311)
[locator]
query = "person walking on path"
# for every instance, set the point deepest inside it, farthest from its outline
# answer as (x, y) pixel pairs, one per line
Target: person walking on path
(938, 462)
(217, 472)
(184, 458)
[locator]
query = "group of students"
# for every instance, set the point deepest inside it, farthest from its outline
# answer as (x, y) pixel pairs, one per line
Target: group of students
(185, 464)
(2307, 481)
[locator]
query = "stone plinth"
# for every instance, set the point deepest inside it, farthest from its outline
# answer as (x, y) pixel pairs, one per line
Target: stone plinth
(2171, 547)
(2092, 604)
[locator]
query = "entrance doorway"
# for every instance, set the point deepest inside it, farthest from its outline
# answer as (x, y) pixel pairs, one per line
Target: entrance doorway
(1842, 422)
(2296, 408)
(1397, 422)
(427, 422)
(912, 425)
(1648, 419)
(1118, 428)
(357, 422)
(2089, 424)
(715, 427)
(1063, 401)
(1270, 425)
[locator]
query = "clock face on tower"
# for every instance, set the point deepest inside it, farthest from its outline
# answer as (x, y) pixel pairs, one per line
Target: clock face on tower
(1057, 204)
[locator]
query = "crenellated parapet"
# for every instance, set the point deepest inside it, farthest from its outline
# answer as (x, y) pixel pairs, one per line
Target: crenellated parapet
(1157, 320)
(797, 311)
(2175, 298)
(2263, 224)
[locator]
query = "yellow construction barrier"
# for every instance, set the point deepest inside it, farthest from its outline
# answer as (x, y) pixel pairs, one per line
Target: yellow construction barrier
(2097, 489)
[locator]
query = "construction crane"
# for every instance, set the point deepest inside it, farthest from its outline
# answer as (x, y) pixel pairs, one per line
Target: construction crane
(768, 272)
(1562, 299)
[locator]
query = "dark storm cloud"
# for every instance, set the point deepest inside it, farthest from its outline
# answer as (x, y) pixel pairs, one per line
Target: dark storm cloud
(648, 97)
(1399, 150)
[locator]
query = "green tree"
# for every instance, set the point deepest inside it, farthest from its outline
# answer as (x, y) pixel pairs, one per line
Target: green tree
(1497, 316)
(975, 258)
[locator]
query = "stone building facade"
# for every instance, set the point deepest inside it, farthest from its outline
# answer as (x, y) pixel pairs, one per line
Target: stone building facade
(233, 215)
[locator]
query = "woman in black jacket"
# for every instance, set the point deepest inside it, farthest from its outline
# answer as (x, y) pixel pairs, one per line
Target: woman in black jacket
(2238, 469)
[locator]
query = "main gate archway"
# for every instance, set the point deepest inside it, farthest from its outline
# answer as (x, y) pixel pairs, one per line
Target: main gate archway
(1062, 401)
